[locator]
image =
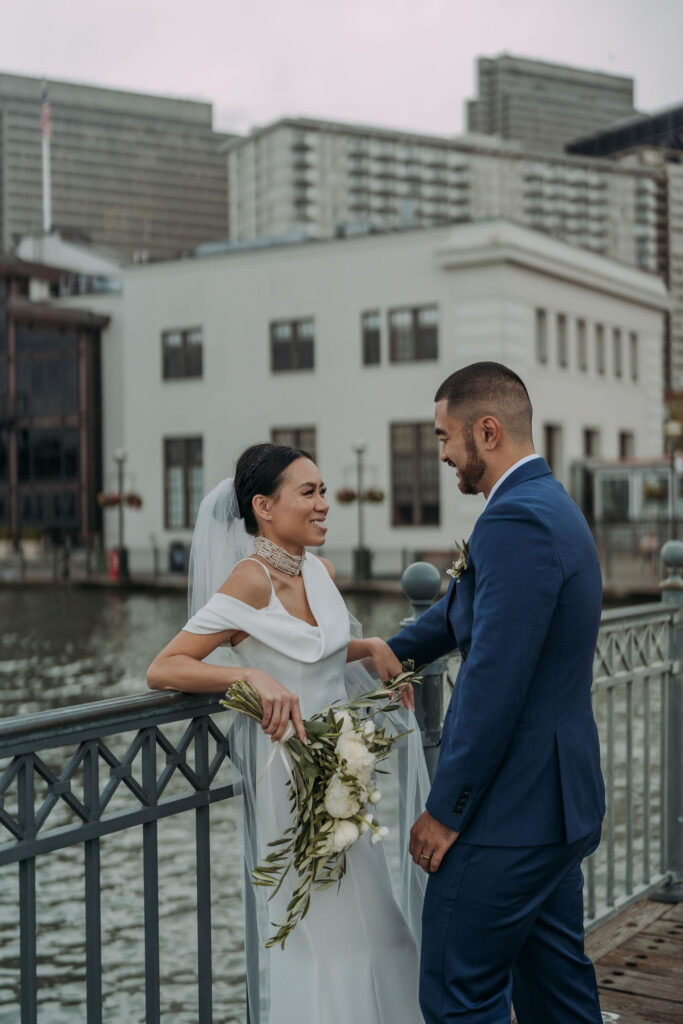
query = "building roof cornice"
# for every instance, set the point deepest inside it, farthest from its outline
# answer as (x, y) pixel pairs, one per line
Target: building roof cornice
(487, 243)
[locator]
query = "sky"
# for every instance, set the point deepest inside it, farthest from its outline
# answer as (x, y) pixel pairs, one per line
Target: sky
(401, 63)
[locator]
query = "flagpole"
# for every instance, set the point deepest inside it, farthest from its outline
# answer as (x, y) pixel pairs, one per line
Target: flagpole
(46, 131)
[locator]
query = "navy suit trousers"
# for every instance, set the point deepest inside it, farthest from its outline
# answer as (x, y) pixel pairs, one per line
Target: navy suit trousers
(506, 923)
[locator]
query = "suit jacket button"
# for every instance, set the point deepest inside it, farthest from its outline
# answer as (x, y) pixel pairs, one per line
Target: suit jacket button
(463, 655)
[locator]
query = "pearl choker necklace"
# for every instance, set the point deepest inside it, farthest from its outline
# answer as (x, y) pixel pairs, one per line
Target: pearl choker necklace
(276, 556)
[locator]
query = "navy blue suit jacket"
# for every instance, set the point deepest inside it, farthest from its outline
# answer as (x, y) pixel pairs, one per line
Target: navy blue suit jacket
(520, 760)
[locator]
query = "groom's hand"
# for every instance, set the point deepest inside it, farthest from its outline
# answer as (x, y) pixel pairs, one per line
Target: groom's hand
(430, 841)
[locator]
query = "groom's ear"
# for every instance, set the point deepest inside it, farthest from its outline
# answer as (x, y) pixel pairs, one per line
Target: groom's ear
(491, 432)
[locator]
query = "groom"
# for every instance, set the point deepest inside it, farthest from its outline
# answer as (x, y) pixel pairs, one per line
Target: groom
(518, 796)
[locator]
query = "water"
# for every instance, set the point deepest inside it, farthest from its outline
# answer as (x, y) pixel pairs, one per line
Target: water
(62, 647)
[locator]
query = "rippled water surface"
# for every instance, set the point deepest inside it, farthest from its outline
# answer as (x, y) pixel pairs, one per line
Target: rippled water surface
(62, 647)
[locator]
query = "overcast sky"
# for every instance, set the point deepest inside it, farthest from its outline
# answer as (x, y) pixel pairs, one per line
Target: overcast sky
(400, 63)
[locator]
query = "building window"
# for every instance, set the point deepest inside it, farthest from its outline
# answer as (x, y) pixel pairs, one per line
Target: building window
(370, 332)
(591, 442)
(581, 346)
(47, 454)
(552, 447)
(616, 352)
(182, 353)
(633, 352)
(292, 344)
(627, 444)
(296, 437)
(541, 336)
(562, 350)
(600, 349)
(413, 334)
(183, 481)
(414, 475)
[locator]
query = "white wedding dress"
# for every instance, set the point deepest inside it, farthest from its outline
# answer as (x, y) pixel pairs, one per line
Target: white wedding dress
(354, 958)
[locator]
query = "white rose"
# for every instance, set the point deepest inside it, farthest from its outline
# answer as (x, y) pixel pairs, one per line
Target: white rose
(345, 834)
(375, 796)
(339, 799)
(344, 719)
(350, 748)
(380, 834)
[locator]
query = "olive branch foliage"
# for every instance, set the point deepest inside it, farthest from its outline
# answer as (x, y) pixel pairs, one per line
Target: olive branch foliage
(306, 845)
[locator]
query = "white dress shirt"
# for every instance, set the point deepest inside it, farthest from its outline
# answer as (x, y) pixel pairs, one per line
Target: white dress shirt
(516, 465)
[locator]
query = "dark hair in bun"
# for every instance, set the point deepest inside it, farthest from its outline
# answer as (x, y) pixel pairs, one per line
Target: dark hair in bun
(260, 470)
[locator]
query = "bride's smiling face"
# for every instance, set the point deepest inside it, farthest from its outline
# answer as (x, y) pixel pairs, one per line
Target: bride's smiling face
(295, 517)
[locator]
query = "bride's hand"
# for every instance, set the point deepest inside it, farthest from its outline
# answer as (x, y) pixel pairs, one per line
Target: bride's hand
(387, 665)
(280, 705)
(385, 662)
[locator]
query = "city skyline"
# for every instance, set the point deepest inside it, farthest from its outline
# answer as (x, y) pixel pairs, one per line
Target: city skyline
(400, 64)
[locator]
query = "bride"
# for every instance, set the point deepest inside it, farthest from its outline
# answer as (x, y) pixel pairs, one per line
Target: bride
(265, 610)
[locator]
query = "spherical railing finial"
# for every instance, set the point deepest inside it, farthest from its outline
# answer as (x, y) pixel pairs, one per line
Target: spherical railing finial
(672, 554)
(672, 557)
(421, 582)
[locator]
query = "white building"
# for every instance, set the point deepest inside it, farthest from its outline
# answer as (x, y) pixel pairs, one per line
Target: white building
(322, 343)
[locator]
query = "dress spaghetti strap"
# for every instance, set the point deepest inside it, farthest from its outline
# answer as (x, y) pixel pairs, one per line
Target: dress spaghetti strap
(250, 559)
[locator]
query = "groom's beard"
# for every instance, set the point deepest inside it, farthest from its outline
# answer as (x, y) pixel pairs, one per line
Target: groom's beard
(471, 473)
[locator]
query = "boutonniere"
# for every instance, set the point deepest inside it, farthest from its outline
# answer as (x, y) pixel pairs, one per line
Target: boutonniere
(460, 564)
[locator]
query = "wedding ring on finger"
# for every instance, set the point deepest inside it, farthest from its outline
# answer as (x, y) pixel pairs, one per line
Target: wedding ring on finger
(424, 856)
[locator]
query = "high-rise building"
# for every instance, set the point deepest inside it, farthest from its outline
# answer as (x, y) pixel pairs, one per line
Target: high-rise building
(317, 179)
(662, 130)
(141, 175)
(655, 140)
(544, 105)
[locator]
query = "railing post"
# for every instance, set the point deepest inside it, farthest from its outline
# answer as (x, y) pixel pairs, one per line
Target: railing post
(421, 583)
(672, 734)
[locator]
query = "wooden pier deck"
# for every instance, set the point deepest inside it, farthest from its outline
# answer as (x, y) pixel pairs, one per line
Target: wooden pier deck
(638, 959)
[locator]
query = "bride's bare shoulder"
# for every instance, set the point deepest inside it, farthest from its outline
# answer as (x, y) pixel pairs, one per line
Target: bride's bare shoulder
(248, 582)
(328, 565)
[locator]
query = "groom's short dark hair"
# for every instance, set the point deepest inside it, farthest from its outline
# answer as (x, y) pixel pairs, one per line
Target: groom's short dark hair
(489, 388)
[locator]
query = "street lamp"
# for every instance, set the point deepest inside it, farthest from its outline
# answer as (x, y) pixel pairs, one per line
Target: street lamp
(672, 433)
(120, 459)
(361, 555)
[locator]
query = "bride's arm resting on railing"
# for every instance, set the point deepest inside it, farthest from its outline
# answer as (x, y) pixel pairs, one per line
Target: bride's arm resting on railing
(180, 665)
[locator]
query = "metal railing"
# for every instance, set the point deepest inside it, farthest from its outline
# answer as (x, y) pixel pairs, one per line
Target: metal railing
(633, 669)
(31, 790)
(639, 708)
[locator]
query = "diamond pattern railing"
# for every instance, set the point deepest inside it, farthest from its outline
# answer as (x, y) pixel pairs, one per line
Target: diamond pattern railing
(98, 792)
(632, 669)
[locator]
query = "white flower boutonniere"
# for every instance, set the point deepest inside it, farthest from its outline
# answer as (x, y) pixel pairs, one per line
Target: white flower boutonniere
(460, 564)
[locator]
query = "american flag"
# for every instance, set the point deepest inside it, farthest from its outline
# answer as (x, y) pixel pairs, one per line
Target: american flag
(45, 114)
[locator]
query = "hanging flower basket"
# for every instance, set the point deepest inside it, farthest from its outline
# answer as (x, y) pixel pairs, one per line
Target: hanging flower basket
(346, 495)
(108, 500)
(131, 499)
(373, 494)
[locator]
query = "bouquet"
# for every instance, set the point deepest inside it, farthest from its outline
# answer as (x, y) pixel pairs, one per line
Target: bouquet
(331, 790)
